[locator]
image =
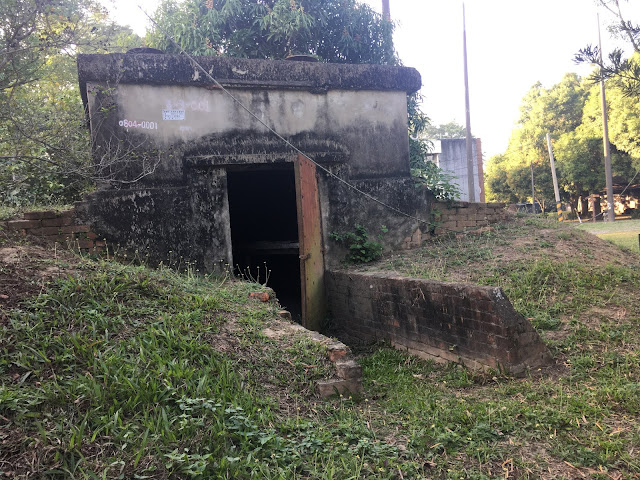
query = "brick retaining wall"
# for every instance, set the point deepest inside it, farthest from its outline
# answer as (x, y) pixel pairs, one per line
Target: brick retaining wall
(458, 217)
(64, 228)
(473, 325)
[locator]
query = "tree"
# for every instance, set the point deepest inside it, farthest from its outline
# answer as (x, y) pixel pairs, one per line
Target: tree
(556, 110)
(570, 111)
(339, 31)
(32, 33)
(625, 71)
(496, 186)
(446, 130)
(44, 142)
(624, 121)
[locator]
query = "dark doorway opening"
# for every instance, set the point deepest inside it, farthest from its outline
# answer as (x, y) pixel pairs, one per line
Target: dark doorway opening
(264, 230)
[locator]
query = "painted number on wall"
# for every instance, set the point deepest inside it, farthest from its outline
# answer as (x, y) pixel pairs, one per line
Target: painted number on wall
(173, 115)
(135, 124)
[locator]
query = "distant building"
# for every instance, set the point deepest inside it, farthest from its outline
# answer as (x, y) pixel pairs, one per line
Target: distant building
(450, 154)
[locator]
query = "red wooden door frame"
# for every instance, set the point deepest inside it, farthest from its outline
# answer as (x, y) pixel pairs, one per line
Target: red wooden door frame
(313, 301)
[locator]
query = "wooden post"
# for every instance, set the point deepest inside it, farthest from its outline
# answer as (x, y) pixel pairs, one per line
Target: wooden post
(556, 190)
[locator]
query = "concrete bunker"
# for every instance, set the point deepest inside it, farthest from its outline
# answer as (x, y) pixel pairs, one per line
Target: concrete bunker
(190, 176)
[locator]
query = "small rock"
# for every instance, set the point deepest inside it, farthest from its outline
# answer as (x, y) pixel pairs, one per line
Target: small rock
(349, 370)
(336, 354)
(327, 388)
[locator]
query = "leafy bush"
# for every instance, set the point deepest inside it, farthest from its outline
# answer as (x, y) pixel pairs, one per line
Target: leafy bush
(361, 248)
(437, 180)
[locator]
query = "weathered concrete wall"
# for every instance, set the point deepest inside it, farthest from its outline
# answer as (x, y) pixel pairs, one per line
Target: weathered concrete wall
(451, 155)
(344, 208)
(469, 324)
(158, 102)
(369, 126)
(178, 224)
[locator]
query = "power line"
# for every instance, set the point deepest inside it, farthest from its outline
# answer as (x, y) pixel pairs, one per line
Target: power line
(274, 132)
(283, 139)
(629, 184)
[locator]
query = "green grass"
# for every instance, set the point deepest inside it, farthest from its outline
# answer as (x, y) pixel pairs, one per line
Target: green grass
(610, 227)
(628, 240)
(586, 414)
(623, 233)
(124, 372)
(114, 373)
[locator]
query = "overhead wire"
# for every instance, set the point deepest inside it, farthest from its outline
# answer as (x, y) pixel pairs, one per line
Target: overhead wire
(629, 184)
(196, 64)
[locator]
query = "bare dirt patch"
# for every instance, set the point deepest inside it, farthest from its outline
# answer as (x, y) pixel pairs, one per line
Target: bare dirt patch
(27, 268)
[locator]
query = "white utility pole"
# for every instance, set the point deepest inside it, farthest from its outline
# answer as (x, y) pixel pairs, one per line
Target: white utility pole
(470, 176)
(556, 190)
(386, 12)
(611, 216)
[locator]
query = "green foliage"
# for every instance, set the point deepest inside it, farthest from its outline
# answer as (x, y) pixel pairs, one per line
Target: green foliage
(425, 171)
(446, 130)
(625, 72)
(441, 183)
(44, 151)
(44, 143)
(115, 374)
(570, 112)
(361, 249)
(333, 31)
(123, 372)
(419, 147)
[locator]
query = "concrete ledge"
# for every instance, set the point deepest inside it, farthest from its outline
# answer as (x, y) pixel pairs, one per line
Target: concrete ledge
(157, 69)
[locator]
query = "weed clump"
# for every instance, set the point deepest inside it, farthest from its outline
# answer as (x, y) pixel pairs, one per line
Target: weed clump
(361, 248)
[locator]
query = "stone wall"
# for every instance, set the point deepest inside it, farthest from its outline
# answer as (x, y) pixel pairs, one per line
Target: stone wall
(473, 325)
(64, 228)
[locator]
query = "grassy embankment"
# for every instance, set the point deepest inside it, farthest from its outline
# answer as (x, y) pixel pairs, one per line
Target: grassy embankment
(115, 370)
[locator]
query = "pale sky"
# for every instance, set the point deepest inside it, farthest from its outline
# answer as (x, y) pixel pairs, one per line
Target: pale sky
(511, 45)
